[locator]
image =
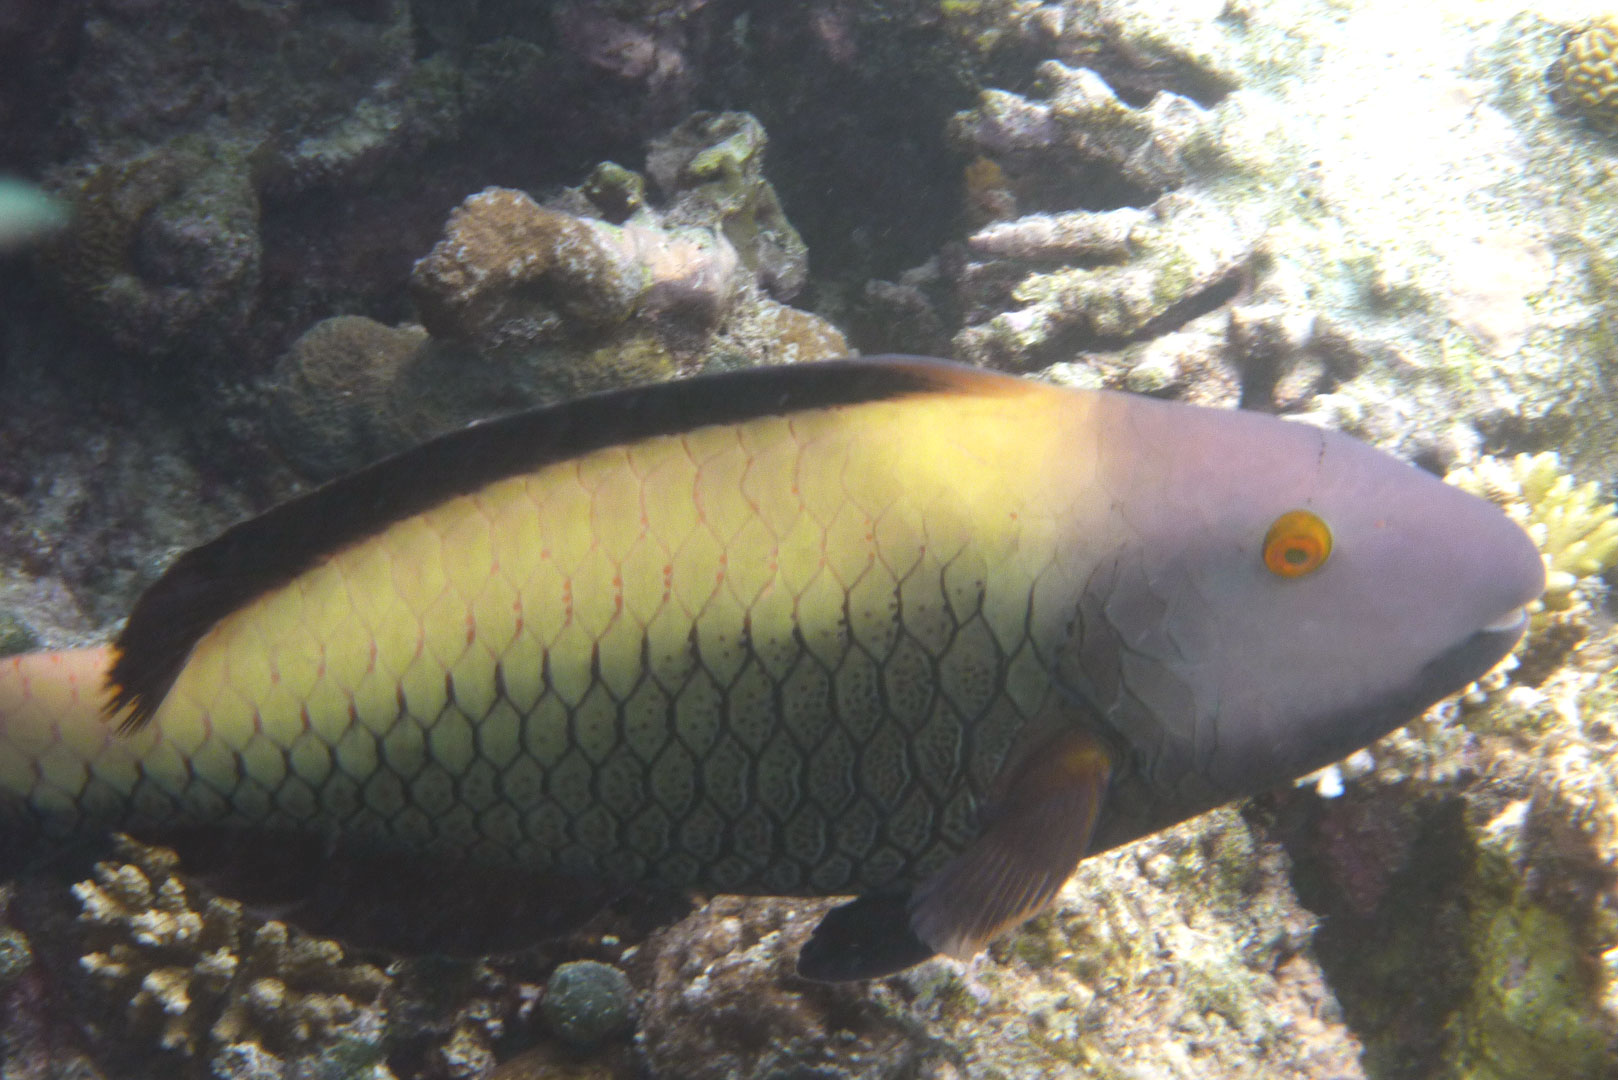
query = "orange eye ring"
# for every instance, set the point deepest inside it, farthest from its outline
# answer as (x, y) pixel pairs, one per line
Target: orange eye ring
(1297, 544)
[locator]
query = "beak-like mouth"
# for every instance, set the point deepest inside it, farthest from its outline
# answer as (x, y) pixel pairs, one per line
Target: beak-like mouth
(1513, 621)
(1476, 655)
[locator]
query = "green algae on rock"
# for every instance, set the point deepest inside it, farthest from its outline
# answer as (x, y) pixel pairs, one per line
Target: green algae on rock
(714, 162)
(587, 1003)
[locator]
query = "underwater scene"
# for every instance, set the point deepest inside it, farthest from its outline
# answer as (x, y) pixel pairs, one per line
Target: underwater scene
(808, 539)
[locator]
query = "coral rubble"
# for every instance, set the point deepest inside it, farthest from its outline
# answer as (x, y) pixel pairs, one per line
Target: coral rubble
(723, 1002)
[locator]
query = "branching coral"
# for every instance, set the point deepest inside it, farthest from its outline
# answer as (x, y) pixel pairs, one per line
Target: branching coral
(1186, 246)
(208, 983)
(1148, 240)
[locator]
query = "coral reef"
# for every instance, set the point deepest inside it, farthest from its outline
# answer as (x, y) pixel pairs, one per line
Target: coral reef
(164, 250)
(722, 1001)
(599, 287)
(1368, 214)
(511, 275)
(1465, 876)
(1147, 170)
(1088, 278)
(1584, 77)
(226, 162)
(1465, 884)
(334, 412)
(203, 981)
(1185, 948)
(169, 242)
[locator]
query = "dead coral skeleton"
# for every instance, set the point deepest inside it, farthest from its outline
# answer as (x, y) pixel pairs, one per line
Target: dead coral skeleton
(1157, 232)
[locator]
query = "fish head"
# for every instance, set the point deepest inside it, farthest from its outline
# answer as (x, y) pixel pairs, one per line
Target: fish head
(1282, 596)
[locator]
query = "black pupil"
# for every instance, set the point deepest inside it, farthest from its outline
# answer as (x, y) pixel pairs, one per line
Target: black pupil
(1296, 555)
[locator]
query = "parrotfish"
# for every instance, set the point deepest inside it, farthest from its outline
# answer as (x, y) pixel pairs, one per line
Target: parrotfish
(893, 628)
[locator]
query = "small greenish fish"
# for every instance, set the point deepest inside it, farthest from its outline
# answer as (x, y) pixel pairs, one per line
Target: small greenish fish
(27, 214)
(894, 628)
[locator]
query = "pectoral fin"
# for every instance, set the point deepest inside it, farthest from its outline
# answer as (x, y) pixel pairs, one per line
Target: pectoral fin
(1035, 831)
(1034, 834)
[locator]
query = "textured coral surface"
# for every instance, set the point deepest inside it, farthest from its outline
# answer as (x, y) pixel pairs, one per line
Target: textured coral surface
(1586, 73)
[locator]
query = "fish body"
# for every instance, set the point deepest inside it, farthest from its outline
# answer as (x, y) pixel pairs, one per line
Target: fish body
(894, 628)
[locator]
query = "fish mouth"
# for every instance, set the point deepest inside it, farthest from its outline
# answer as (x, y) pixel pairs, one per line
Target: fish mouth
(1475, 655)
(1513, 621)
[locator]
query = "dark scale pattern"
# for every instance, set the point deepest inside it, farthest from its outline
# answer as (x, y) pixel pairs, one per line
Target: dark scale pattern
(651, 662)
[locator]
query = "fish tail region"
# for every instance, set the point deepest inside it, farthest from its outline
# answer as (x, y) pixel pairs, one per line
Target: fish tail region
(58, 752)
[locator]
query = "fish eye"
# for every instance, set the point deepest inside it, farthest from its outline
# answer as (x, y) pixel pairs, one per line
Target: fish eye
(1298, 543)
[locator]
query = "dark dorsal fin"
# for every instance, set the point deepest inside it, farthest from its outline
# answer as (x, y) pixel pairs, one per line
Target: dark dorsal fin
(209, 582)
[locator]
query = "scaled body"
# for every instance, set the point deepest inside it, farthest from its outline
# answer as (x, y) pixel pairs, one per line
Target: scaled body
(796, 646)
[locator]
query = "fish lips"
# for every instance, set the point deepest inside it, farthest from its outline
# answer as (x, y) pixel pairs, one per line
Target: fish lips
(1457, 667)
(1452, 670)
(1476, 655)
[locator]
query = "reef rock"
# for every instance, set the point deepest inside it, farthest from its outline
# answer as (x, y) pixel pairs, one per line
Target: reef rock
(587, 1003)
(526, 302)
(511, 274)
(724, 1002)
(711, 168)
(335, 411)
